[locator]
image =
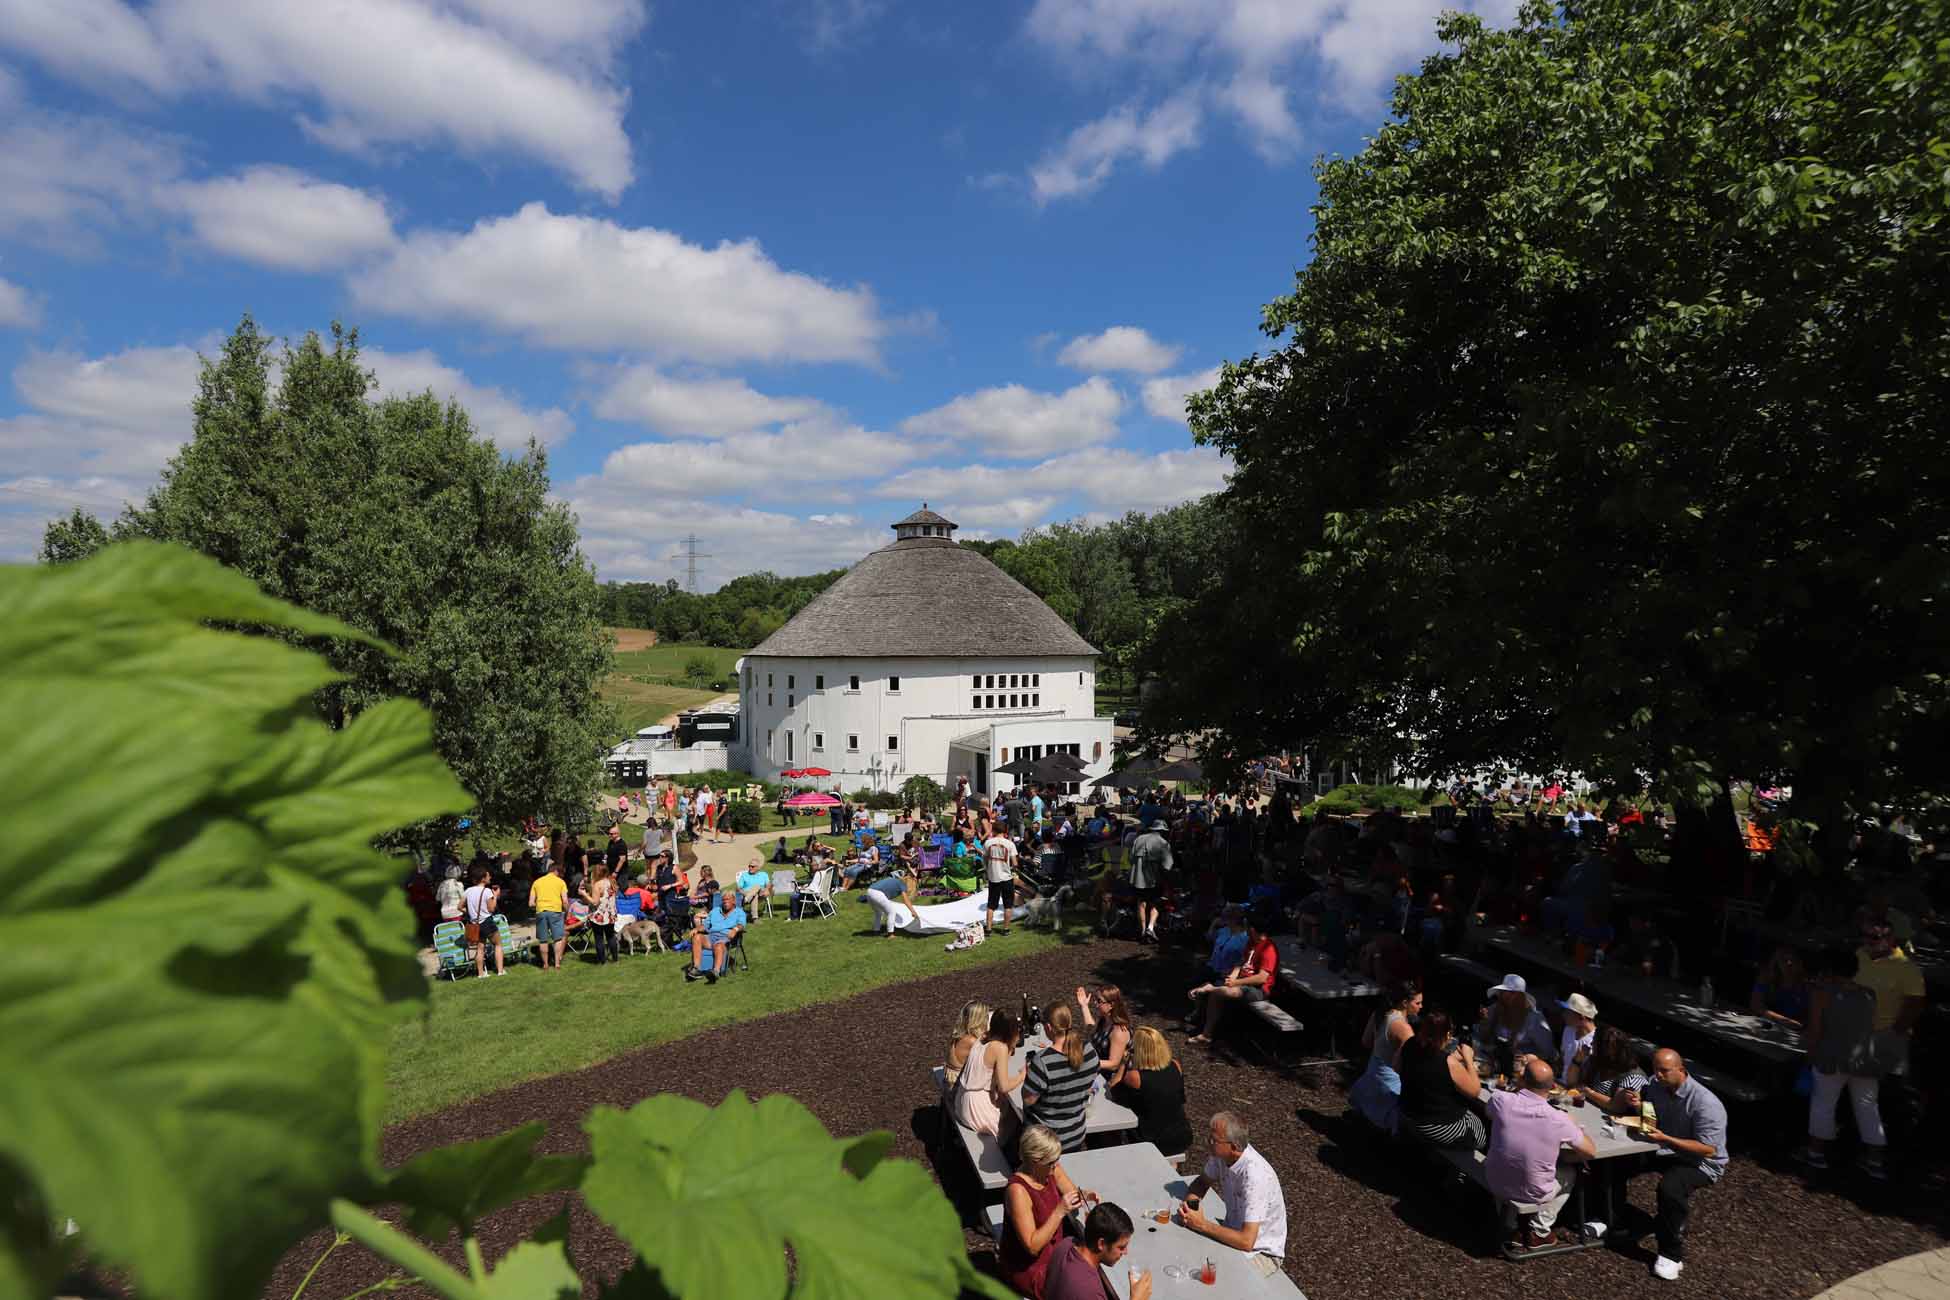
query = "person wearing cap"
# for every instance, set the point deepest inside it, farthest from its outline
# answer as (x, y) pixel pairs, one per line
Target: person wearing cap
(1575, 1042)
(1150, 859)
(1512, 1025)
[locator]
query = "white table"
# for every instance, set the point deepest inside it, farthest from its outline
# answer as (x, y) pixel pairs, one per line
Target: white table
(1103, 1116)
(1305, 969)
(1136, 1179)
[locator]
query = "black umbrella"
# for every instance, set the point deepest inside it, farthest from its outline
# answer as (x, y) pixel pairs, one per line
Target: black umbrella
(1183, 770)
(1049, 771)
(1138, 769)
(1019, 767)
(1065, 759)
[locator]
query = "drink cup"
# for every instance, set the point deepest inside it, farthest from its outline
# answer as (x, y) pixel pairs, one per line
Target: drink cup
(1209, 1274)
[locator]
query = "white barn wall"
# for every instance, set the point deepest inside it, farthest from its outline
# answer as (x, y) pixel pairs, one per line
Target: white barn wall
(931, 708)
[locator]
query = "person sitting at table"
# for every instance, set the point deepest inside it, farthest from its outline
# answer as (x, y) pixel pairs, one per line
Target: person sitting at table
(971, 1027)
(1613, 1078)
(1109, 1021)
(1076, 1268)
(1781, 989)
(1228, 936)
(1376, 1095)
(1513, 1026)
(1253, 980)
(1153, 1086)
(1038, 1197)
(1059, 1079)
(1576, 1039)
(1525, 1168)
(1438, 1077)
(980, 1096)
(1841, 1054)
(1255, 1217)
(1692, 1124)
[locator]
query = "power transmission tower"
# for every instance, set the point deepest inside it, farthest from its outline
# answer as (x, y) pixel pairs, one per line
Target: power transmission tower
(691, 555)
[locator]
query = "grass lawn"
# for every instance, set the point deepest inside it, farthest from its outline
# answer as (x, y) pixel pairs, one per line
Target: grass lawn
(669, 660)
(639, 704)
(480, 1035)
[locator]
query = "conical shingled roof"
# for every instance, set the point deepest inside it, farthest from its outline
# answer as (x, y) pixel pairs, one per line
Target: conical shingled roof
(925, 597)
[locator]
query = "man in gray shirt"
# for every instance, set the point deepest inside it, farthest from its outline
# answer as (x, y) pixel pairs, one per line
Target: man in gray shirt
(1692, 1124)
(1150, 859)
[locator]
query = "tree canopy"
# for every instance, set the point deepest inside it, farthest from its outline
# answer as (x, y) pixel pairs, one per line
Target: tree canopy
(396, 518)
(743, 612)
(1604, 428)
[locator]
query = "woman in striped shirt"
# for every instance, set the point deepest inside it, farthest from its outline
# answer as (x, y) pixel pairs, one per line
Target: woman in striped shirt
(1060, 1078)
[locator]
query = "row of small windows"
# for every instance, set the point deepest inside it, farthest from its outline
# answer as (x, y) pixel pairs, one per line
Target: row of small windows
(852, 743)
(819, 682)
(993, 681)
(1007, 702)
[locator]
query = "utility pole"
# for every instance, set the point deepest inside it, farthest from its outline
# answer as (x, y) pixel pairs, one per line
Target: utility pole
(691, 555)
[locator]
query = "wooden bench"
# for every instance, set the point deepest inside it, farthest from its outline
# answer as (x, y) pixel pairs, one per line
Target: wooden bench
(1471, 967)
(1275, 1015)
(985, 1155)
(1474, 1166)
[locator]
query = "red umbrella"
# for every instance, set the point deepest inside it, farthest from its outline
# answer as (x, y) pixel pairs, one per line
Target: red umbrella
(792, 773)
(812, 799)
(814, 771)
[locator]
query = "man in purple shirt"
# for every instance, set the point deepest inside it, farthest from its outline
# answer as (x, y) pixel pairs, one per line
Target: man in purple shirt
(1076, 1268)
(1526, 1168)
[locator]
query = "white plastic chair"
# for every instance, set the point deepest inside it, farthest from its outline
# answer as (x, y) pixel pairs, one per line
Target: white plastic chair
(783, 883)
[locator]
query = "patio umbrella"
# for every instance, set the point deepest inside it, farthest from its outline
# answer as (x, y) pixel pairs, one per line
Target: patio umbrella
(1137, 769)
(1048, 771)
(1184, 769)
(814, 771)
(1066, 759)
(812, 799)
(1016, 767)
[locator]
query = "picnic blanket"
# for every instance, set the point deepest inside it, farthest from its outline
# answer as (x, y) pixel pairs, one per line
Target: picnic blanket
(948, 918)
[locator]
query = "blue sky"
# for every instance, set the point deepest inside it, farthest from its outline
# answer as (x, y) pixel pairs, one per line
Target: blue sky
(772, 273)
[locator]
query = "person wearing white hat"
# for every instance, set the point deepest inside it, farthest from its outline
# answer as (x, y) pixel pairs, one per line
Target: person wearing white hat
(1574, 1043)
(1512, 1024)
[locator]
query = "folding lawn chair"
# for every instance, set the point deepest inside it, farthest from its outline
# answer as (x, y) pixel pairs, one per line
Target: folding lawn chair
(820, 894)
(513, 948)
(575, 924)
(784, 883)
(450, 949)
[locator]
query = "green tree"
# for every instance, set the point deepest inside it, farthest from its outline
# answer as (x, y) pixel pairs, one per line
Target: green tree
(396, 518)
(923, 794)
(1606, 425)
(77, 537)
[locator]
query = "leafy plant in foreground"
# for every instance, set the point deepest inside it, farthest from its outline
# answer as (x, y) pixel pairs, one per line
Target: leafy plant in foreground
(203, 954)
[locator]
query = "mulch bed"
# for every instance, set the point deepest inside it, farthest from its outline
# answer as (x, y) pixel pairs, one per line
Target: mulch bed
(1363, 1224)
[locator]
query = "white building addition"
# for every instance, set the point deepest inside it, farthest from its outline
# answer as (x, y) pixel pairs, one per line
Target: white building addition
(923, 659)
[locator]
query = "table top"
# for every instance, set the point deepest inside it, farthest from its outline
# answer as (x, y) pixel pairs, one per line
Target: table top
(1305, 969)
(1104, 1115)
(1136, 1178)
(1666, 999)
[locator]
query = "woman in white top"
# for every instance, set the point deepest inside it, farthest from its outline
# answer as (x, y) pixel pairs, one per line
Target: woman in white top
(985, 1079)
(448, 895)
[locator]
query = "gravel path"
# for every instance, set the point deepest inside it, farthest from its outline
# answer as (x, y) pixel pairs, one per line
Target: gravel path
(1363, 1224)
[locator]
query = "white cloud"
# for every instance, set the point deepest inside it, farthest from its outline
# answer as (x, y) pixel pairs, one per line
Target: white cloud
(495, 413)
(836, 24)
(1121, 347)
(701, 407)
(818, 451)
(583, 282)
(285, 219)
(62, 176)
(1116, 478)
(633, 533)
(19, 309)
(1013, 514)
(1165, 396)
(1015, 421)
(1347, 51)
(120, 414)
(1086, 159)
(485, 76)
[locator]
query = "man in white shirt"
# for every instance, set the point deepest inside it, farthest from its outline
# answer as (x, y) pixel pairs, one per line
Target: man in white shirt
(1255, 1218)
(999, 852)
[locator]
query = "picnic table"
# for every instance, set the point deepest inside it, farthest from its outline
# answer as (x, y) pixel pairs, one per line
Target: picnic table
(1306, 971)
(1104, 1115)
(1658, 997)
(1137, 1178)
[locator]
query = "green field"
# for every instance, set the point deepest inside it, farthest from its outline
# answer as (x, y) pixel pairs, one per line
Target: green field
(669, 661)
(641, 703)
(480, 1035)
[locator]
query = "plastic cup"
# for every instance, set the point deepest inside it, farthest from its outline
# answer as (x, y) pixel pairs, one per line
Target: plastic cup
(1209, 1274)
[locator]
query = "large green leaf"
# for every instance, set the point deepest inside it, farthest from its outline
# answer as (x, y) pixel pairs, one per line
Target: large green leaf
(457, 1186)
(711, 1198)
(200, 950)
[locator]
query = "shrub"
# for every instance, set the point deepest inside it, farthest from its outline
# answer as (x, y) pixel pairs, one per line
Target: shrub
(923, 793)
(1353, 798)
(741, 818)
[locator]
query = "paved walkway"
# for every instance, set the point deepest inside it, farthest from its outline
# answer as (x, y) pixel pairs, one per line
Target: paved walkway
(1917, 1277)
